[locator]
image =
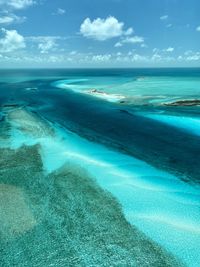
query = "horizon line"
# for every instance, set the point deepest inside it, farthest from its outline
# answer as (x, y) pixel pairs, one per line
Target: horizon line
(90, 68)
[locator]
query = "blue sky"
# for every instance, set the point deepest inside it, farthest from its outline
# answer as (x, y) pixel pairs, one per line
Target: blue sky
(99, 33)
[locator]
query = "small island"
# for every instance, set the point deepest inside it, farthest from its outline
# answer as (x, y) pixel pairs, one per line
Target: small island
(107, 96)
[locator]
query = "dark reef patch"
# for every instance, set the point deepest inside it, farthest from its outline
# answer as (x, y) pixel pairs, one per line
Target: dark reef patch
(65, 219)
(185, 103)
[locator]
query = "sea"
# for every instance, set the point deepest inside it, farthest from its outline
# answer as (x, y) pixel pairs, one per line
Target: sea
(100, 167)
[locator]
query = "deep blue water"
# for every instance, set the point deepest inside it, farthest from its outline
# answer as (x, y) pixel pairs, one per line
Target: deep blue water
(153, 141)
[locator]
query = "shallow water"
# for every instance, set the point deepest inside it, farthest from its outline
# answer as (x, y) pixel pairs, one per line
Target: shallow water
(62, 150)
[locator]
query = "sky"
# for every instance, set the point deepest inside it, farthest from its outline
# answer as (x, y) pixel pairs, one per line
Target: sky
(99, 33)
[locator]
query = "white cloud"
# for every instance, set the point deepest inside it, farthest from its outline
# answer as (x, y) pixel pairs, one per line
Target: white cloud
(144, 45)
(47, 46)
(123, 59)
(55, 59)
(46, 43)
(155, 50)
(11, 18)
(169, 25)
(101, 58)
(156, 57)
(44, 38)
(89, 59)
(6, 20)
(198, 28)
(133, 40)
(169, 49)
(193, 57)
(189, 55)
(73, 53)
(129, 31)
(17, 4)
(118, 44)
(8, 6)
(188, 52)
(102, 29)
(11, 41)
(164, 17)
(139, 58)
(59, 11)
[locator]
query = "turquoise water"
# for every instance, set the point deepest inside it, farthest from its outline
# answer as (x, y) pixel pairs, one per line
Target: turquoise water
(147, 87)
(130, 87)
(127, 170)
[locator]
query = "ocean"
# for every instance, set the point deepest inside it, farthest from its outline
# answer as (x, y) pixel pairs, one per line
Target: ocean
(100, 167)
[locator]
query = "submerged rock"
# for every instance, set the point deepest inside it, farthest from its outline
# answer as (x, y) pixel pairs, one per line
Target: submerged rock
(192, 102)
(11, 105)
